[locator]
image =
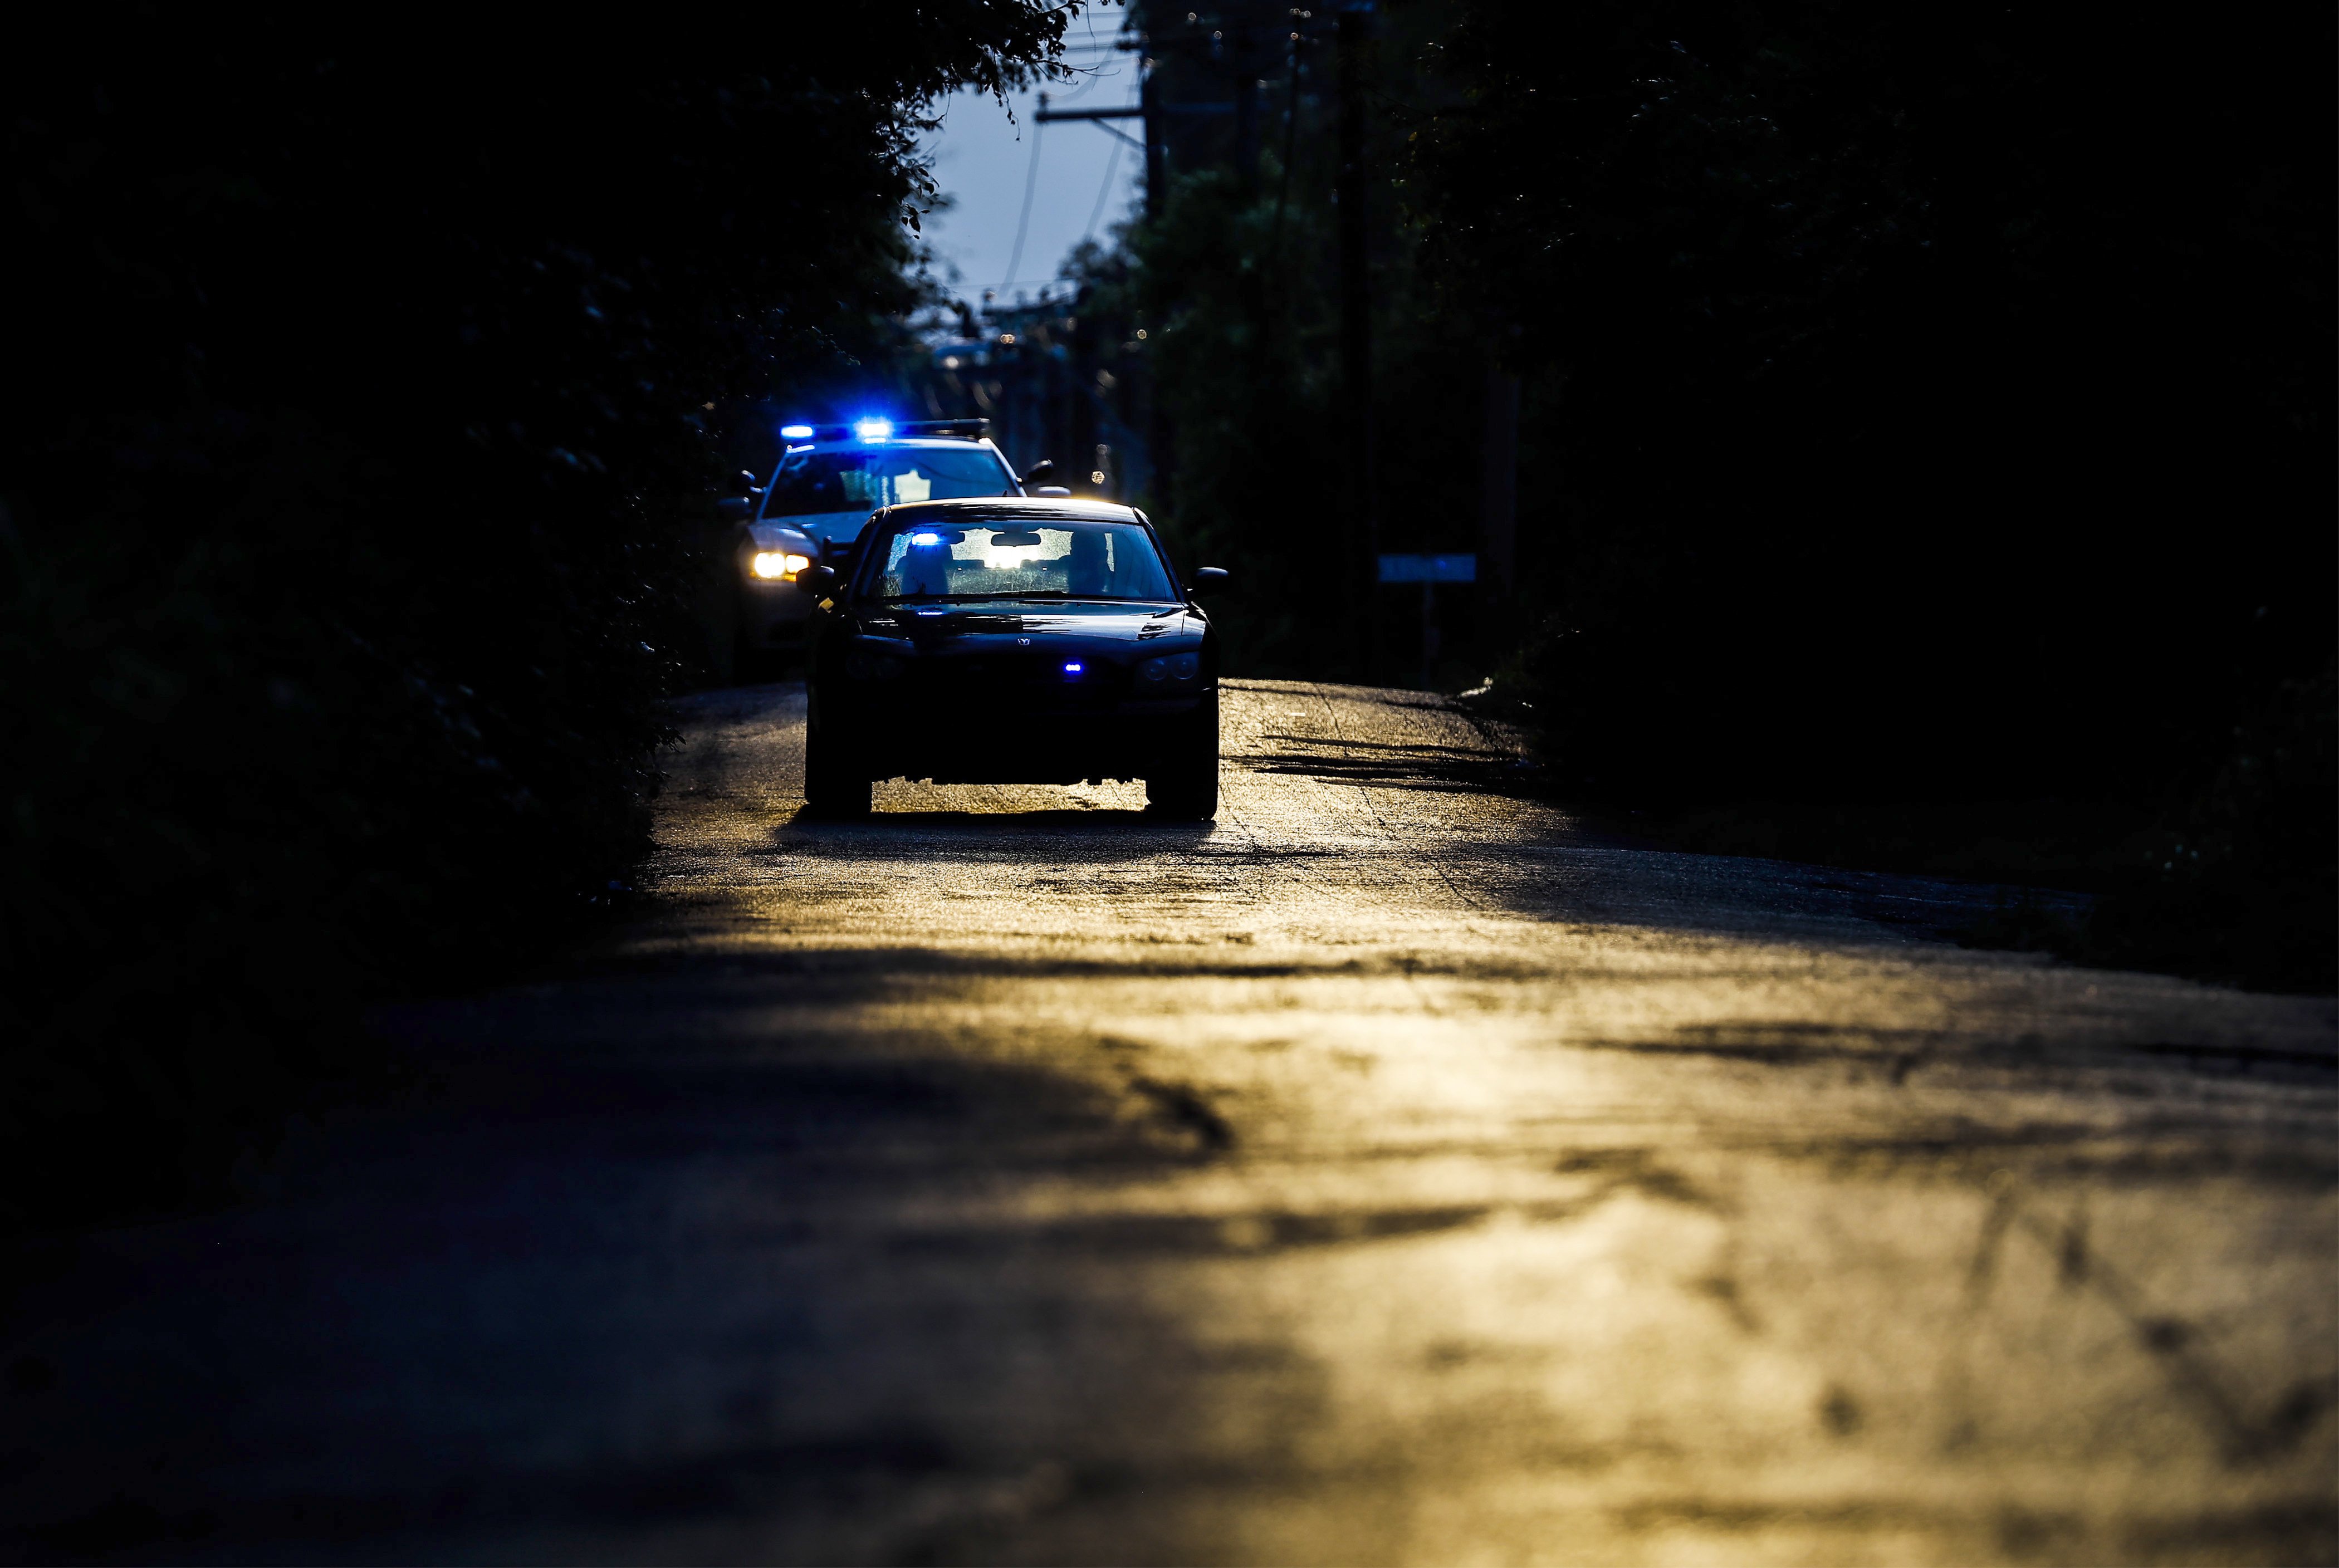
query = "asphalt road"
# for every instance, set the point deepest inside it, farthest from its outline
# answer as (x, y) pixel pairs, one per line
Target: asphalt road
(1391, 1171)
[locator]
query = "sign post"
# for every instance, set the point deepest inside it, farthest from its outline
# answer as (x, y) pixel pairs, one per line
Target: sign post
(1430, 571)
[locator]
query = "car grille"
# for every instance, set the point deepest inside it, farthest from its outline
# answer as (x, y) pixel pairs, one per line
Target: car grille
(1020, 679)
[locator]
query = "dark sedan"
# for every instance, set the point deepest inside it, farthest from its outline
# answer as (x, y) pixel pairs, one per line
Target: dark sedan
(1011, 641)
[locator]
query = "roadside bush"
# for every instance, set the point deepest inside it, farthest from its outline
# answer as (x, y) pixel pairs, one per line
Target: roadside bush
(1939, 438)
(2242, 883)
(358, 460)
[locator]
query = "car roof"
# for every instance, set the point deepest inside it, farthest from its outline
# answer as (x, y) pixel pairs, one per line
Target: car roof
(891, 443)
(1023, 507)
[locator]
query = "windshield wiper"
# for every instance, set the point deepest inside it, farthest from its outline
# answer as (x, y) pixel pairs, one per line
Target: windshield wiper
(1018, 594)
(1083, 598)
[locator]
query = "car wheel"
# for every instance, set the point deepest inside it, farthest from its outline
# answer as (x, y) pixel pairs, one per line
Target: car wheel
(1188, 789)
(836, 781)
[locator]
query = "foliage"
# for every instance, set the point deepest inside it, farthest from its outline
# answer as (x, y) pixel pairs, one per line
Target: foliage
(1939, 413)
(1944, 421)
(357, 465)
(2239, 886)
(1247, 375)
(1927, 422)
(1238, 356)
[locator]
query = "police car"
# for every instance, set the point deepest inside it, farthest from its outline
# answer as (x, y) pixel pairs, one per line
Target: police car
(831, 479)
(1013, 641)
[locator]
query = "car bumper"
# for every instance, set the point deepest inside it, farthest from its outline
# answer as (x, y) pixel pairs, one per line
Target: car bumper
(1122, 739)
(773, 614)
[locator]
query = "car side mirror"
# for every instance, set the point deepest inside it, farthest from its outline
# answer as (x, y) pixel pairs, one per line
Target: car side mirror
(1042, 472)
(1207, 578)
(738, 509)
(817, 580)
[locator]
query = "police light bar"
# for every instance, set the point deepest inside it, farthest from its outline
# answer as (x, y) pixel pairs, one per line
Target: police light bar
(886, 430)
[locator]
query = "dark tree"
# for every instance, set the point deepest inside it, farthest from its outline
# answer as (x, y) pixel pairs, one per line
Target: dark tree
(1944, 409)
(1946, 399)
(356, 457)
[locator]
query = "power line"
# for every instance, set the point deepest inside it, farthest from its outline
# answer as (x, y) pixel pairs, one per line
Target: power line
(1023, 224)
(1112, 167)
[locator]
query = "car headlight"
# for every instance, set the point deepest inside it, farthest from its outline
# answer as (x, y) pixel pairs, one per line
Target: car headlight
(1170, 670)
(869, 664)
(772, 564)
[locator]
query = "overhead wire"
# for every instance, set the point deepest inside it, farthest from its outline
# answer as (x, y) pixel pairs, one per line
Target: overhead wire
(1031, 175)
(1023, 224)
(1111, 168)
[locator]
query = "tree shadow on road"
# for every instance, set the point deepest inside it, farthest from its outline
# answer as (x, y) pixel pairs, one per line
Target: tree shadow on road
(1454, 770)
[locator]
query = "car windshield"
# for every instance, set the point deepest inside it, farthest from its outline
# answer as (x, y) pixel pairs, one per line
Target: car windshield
(863, 480)
(1007, 559)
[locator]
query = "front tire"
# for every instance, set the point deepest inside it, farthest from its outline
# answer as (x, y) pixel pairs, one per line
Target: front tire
(837, 781)
(1187, 789)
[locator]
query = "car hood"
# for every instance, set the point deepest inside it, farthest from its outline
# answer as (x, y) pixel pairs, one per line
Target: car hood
(927, 625)
(783, 537)
(828, 528)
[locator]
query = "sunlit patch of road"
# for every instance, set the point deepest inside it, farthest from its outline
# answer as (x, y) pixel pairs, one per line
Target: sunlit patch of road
(1391, 1171)
(1731, 1203)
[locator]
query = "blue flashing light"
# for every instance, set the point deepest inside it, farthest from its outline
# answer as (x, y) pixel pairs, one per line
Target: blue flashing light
(925, 538)
(1072, 669)
(872, 429)
(795, 432)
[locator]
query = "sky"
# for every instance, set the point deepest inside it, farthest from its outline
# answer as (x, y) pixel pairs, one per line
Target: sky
(983, 161)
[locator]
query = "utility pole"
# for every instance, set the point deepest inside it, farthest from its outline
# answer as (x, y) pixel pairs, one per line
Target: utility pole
(1149, 98)
(1356, 303)
(1159, 440)
(1156, 115)
(1246, 68)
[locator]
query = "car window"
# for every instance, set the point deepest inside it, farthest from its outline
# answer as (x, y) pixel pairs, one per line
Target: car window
(853, 482)
(1080, 560)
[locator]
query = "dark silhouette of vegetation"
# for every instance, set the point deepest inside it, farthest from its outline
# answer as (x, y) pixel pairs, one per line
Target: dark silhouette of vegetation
(1943, 404)
(1924, 335)
(1236, 279)
(1926, 461)
(358, 468)
(1926, 457)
